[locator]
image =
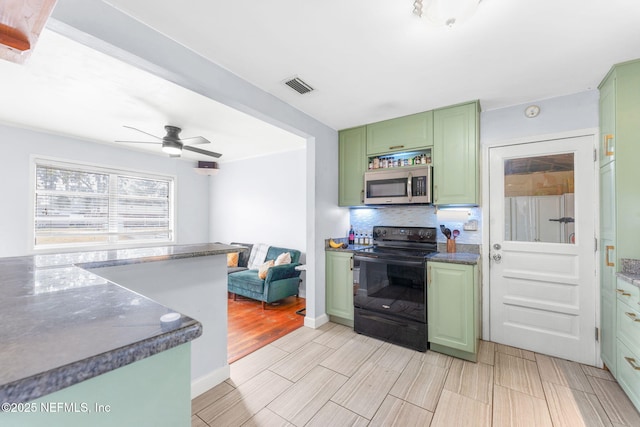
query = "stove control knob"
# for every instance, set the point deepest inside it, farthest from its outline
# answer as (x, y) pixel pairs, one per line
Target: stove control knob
(422, 234)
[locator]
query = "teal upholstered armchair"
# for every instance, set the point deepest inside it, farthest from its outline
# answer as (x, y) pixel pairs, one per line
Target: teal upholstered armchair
(281, 281)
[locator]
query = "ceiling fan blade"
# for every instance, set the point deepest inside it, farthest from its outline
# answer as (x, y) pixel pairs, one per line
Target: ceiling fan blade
(205, 152)
(146, 133)
(196, 140)
(141, 142)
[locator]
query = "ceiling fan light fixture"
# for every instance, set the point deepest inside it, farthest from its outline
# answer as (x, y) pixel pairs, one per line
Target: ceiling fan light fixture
(172, 148)
(445, 12)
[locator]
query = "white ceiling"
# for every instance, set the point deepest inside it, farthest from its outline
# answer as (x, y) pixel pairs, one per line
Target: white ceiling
(373, 59)
(368, 60)
(69, 89)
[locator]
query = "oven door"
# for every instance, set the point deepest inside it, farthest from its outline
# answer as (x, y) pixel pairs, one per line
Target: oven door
(392, 286)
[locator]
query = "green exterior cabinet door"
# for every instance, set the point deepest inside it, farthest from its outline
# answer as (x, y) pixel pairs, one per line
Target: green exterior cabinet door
(452, 307)
(339, 279)
(402, 134)
(455, 155)
(352, 164)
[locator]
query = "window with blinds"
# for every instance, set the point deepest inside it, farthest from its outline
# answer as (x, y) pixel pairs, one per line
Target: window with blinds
(81, 206)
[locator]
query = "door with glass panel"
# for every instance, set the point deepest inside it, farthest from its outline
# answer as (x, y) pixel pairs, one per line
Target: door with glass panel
(542, 255)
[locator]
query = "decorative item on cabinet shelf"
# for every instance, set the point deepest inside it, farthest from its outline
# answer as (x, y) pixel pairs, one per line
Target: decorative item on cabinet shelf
(398, 160)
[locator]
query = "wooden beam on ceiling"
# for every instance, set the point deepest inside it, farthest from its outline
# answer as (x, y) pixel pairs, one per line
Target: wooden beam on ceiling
(21, 22)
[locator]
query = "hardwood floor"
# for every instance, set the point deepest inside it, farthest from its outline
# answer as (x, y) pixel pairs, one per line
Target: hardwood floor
(251, 328)
(332, 376)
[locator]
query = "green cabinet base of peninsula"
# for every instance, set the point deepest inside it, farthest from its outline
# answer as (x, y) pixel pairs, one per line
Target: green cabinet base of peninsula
(155, 391)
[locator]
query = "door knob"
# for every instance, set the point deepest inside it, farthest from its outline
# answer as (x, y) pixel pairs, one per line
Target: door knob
(497, 257)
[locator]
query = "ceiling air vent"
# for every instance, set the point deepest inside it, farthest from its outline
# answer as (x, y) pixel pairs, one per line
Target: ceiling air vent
(298, 85)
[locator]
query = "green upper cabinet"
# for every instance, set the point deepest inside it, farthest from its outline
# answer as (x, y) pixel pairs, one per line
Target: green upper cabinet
(619, 202)
(619, 117)
(453, 309)
(352, 164)
(455, 155)
(607, 119)
(402, 134)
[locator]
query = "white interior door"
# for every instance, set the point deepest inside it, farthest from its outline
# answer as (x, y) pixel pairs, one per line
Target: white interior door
(543, 292)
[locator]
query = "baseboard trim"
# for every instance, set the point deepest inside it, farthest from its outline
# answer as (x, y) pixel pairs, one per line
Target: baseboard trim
(315, 323)
(212, 379)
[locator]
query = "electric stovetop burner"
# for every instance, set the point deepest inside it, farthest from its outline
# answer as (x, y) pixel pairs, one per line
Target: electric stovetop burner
(402, 242)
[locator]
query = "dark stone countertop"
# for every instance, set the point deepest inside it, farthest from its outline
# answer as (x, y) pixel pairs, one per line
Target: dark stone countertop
(630, 271)
(63, 324)
(455, 257)
(633, 279)
(350, 248)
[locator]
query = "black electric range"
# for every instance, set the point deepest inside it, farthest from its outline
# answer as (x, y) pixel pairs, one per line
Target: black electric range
(390, 300)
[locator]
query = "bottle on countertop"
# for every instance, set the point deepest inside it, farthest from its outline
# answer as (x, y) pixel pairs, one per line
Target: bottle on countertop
(352, 236)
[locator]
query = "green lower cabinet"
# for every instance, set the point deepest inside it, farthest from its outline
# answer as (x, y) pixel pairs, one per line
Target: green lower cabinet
(628, 340)
(453, 309)
(339, 279)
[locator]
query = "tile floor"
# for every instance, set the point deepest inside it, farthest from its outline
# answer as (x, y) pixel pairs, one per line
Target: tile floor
(332, 376)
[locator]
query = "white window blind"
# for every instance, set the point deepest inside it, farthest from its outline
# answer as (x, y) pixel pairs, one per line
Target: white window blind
(80, 206)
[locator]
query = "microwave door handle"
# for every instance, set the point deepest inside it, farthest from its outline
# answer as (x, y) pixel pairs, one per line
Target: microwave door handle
(409, 189)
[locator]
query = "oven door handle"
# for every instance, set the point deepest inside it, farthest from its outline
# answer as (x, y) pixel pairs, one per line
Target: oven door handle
(384, 260)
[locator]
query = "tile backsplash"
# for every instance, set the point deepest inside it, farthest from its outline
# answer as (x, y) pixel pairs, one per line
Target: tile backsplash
(363, 220)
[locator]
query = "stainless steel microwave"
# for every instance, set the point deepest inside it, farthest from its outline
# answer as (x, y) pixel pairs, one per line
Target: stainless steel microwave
(406, 185)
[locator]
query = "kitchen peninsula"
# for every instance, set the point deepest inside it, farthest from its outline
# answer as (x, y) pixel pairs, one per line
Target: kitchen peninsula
(75, 338)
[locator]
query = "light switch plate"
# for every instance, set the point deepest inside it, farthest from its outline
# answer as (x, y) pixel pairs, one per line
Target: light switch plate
(471, 225)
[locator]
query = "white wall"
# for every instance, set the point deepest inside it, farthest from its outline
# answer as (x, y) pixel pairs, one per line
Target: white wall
(261, 200)
(102, 27)
(196, 287)
(16, 185)
(561, 114)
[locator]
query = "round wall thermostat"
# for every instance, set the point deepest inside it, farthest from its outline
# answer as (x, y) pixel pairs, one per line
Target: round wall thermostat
(532, 111)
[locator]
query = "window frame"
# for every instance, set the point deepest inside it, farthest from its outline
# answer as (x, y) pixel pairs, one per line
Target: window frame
(112, 172)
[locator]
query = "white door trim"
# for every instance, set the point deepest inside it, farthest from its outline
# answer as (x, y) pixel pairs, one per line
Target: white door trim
(484, 262)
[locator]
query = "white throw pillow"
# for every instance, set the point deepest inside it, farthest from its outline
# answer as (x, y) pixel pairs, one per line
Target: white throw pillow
(283, 258)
